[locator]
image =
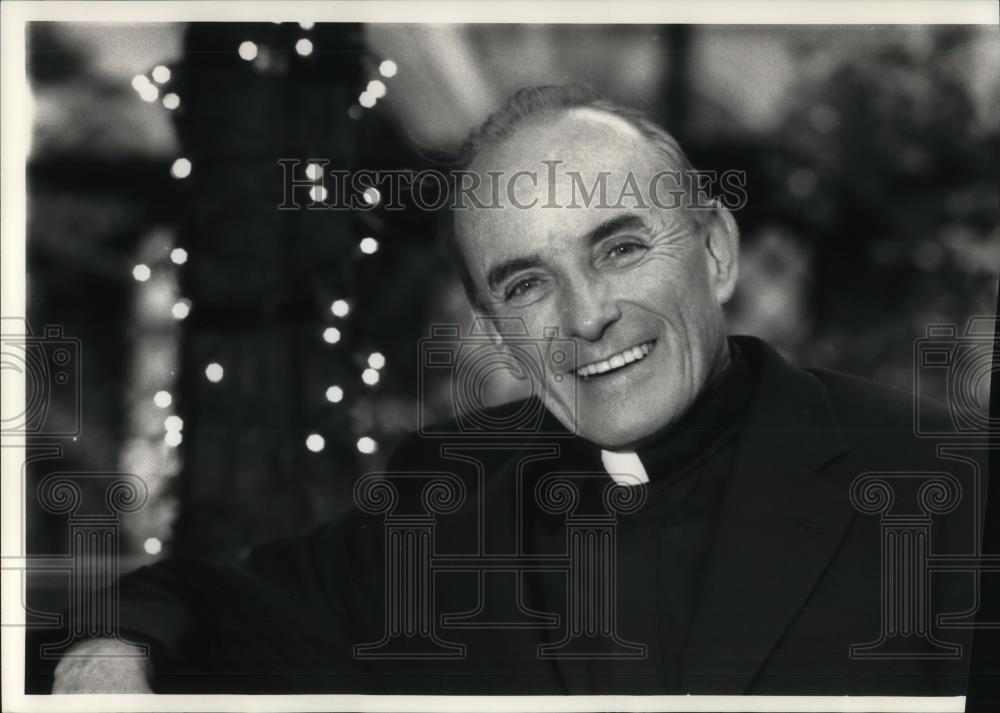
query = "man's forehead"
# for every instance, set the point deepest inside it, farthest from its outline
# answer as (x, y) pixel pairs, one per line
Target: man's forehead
(592, 139)
(585, 157)
(599, 117)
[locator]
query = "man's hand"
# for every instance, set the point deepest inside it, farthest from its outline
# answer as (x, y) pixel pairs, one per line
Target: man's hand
(102, 666)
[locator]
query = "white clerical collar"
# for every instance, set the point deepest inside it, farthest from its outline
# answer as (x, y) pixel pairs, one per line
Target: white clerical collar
(624, 467)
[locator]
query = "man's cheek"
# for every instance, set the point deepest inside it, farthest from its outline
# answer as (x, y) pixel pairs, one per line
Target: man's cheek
(539, 319)
(651, 286)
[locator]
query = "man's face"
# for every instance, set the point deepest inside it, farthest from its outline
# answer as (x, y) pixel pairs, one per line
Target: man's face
(637, 288)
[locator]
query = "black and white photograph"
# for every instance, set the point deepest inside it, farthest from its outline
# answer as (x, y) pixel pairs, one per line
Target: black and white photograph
(626, 356)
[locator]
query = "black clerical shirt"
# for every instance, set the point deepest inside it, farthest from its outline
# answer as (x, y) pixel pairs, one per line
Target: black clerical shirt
(663, 547)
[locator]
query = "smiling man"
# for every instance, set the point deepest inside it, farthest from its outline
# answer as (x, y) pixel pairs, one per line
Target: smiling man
(693, 515)
(638, 288)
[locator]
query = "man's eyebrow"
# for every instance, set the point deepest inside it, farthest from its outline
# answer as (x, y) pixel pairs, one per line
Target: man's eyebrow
(628, 221)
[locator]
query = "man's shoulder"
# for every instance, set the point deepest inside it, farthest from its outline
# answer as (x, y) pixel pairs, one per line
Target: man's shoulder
(513, 423)
(860, 412)
(865, 399)
(867, 410)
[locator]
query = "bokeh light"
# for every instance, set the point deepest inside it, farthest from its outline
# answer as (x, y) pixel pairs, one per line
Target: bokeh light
(387, 68)
(248, 50)
(335, 394)
(214, 372)
(181, 168)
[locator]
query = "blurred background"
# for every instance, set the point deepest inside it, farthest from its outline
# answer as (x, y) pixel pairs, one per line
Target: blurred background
(249, 363)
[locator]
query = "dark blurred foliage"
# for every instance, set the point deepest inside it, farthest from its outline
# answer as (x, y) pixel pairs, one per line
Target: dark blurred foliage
(891, 186)
(873, 205)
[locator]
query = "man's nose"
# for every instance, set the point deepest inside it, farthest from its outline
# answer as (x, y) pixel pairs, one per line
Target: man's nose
(588, 309)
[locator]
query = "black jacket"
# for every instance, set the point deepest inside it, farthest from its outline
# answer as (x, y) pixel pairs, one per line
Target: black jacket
(795, 576)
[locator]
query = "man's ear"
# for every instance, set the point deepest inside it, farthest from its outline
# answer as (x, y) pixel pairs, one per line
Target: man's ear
(722, 245)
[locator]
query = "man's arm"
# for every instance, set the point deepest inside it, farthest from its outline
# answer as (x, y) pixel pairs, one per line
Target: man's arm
(155, 607)
(185, 607)
(102, 666)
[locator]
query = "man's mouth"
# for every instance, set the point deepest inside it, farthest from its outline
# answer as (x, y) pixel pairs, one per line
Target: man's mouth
(615, 361)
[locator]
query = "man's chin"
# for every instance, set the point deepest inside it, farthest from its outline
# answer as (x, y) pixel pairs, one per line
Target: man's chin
(609, 428)
(617, 436)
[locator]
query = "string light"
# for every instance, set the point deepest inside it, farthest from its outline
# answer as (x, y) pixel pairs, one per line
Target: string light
(331, 335)
(335, 394)
(247, 50)
(161, 74)
(181, 309)
(173, 423)
(214, 372)
(387, 68)
(181, 168)
(304, 47)
(372, 196)
(340, 308)
(314, 171)
(142, 85)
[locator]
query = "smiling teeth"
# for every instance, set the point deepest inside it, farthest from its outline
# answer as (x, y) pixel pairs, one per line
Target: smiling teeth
(616, 361)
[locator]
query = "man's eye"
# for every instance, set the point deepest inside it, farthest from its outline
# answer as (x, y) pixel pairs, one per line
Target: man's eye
(520, 287)
(623, 249)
